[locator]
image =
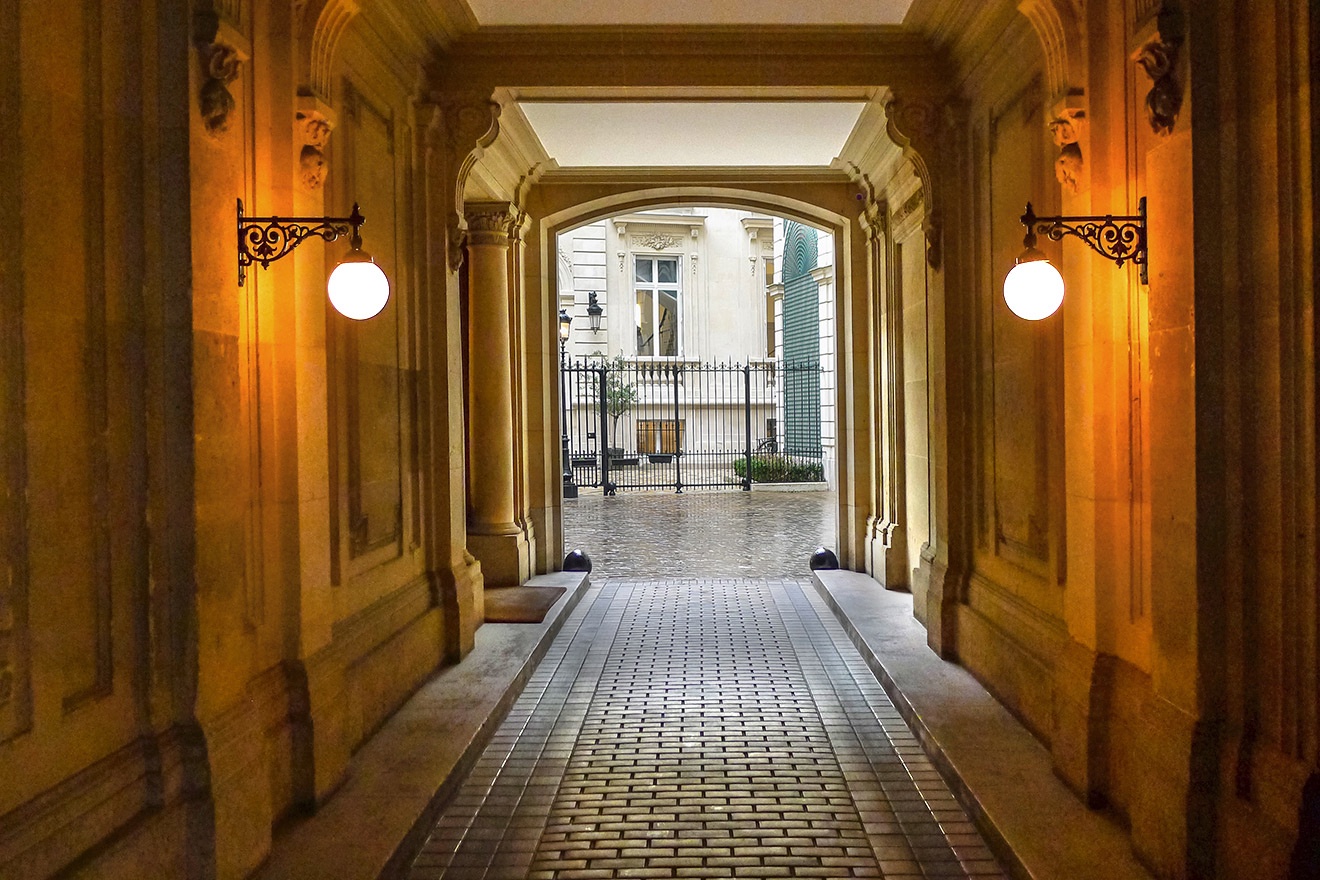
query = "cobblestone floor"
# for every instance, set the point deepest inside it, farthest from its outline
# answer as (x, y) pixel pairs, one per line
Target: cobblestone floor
(701, 534)
(703, 728)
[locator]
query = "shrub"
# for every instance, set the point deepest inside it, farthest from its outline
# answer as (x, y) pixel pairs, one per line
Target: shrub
(780, 469)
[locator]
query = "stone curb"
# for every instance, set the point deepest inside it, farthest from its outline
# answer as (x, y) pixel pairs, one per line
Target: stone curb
(999, 772)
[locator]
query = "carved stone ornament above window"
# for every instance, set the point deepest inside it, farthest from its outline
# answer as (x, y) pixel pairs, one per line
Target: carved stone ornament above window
(656, 241)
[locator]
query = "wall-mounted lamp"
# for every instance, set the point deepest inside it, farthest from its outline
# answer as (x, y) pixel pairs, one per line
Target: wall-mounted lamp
(594, 311)
(565, 325)
(357, 287)
(1033, 288)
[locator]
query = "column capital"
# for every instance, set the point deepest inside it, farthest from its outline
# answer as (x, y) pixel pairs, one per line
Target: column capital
(490, 222)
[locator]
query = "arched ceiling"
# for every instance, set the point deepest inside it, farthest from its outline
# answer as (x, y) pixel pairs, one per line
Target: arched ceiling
(525, 13)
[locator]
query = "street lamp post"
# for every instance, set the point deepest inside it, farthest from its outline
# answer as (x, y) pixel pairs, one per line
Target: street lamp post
(565, 327)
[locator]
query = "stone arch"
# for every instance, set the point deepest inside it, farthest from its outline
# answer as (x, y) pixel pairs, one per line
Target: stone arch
(831, 206)
(322, 26)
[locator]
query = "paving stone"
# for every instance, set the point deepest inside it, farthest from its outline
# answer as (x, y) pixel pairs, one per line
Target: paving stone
(711, 727)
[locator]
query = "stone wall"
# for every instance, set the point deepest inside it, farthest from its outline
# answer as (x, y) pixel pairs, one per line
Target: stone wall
(227, 563)
(1127, 556)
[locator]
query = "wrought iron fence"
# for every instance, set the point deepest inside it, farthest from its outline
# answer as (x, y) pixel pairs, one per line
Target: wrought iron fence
(666, 423)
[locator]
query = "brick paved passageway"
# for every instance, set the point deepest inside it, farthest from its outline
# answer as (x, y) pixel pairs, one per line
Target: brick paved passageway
(703, 728)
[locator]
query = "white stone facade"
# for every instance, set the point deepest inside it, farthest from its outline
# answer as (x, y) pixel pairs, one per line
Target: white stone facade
(729, 292)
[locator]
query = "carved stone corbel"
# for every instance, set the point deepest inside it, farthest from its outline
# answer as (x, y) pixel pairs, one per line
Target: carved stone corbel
(221, 59)
(875, 219)
(917, 127)
(1158, 57)
(1069, 129)
(313, 127)
(471, 123)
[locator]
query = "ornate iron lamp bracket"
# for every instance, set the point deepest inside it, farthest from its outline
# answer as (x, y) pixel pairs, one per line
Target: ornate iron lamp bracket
(1121, 239)
(266, 239)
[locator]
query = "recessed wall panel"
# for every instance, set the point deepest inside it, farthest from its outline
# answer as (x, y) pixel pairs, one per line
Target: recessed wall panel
(373, 382)
(1024, 358)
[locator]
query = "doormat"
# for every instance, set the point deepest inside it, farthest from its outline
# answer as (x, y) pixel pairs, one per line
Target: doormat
(520, 604)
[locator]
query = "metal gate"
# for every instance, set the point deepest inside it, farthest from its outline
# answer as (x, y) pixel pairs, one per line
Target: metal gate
(658, 424)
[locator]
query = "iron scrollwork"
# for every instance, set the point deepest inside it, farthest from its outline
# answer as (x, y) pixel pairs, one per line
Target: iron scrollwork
(266, 239)
(1121, 239)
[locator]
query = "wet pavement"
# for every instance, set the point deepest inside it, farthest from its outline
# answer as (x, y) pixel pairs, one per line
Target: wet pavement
(762, 533)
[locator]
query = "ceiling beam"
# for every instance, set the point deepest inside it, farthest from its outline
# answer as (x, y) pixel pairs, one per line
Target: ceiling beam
(691, 58)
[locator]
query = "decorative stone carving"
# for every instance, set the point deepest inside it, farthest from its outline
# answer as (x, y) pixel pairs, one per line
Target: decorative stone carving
(1068, 128)
(490, 223)
(221, 64)
(656, 241)
(1159, 59)
(909, 207)
(314, 129)
(916, 126)
(1057, 26)
(1068, 168)
(470, 121)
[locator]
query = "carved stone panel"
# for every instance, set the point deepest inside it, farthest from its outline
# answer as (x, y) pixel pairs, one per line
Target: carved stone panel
(656, 241)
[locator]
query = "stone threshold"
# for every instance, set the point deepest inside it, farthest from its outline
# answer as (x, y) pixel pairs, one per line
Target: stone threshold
(1000, 773)
(401, 778)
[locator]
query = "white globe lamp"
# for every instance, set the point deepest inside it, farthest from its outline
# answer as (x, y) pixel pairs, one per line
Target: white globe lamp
(1033, 289)
(358, 287)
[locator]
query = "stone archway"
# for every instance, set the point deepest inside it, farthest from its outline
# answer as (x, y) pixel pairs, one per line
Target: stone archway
(832, 206)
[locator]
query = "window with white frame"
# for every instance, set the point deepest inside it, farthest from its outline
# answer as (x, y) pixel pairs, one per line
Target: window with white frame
(657, 283)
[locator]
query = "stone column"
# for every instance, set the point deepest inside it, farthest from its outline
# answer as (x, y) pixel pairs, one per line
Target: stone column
(494, 535)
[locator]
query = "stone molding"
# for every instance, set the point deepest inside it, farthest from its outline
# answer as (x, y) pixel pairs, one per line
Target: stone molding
(128, 787)
(1057, 25)
(322, 26)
